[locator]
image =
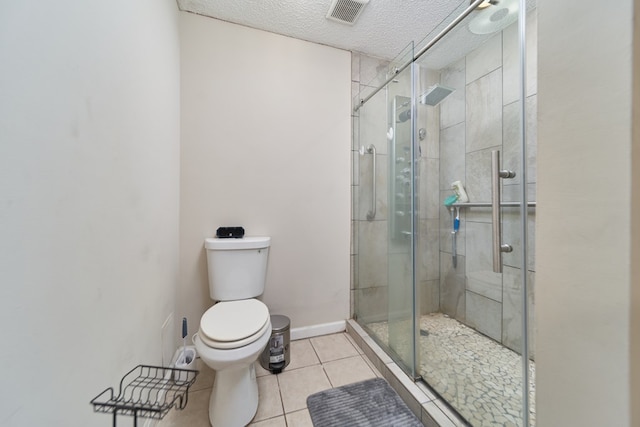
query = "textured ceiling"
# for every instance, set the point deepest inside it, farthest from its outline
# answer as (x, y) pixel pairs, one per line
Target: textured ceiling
(384, 28)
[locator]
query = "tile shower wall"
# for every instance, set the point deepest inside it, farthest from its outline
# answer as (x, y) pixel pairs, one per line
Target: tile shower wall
(481, 116)
(428, 256)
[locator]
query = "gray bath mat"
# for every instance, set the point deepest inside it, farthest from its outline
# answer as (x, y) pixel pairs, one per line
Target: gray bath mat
(370, 403)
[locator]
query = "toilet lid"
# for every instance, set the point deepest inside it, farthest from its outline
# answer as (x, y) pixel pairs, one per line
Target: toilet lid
(229, 321)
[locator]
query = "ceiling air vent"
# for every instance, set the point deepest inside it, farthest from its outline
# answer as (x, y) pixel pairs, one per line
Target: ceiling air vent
(346, 11)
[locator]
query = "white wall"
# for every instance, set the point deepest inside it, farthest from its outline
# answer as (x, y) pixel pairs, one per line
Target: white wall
(89, 199)
(266, 145)
(584, 230)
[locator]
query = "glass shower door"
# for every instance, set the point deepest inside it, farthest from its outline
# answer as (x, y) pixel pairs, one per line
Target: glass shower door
(474, 350)
(425, 287)
(385, 291)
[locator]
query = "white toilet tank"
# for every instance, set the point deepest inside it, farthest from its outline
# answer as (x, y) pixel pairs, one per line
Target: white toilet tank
(237, 267)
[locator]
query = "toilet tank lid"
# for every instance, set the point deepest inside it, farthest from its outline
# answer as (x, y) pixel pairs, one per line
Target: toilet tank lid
(254, 242)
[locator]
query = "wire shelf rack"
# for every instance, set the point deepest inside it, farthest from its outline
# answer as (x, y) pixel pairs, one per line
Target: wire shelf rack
(148, 392)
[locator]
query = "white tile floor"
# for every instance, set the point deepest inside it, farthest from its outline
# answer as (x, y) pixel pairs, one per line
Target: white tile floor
(316, 364)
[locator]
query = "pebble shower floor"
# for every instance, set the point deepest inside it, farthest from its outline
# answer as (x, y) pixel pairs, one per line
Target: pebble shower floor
(476, 375)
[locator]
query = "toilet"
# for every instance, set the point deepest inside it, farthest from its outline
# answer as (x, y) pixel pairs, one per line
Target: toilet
(237, 328)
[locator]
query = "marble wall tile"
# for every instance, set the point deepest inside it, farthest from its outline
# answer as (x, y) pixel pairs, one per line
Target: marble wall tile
(400, 285)
(427, 78)
(484, 314)
(365, 188)
(512, 310)
(430, 145)
(511, 59)
(484, 59)
(430, 296)
(373, 70)
(429, 188)
(511, 227)
(372, 251)
(373, 123)
(511, 234)
(484, 112)
(452, 155)
(428, 254)
(479, 268)
(372, 304)
(478, 246)
(401, 84)
(485, 283)
(429, 117)
(478, 214)
(478, 175)
(355, 90)
(452, 287)
(511, 193)
(511, 140)
(355, 133)
(452, 109)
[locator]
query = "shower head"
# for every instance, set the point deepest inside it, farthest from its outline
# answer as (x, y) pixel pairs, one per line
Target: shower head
(435, 95)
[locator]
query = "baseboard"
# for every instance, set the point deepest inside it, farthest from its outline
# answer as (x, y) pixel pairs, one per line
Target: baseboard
(317, 330)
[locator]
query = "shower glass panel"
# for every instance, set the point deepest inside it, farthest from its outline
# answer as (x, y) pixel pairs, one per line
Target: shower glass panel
(385, 291)
(472, 335)
(425, 284)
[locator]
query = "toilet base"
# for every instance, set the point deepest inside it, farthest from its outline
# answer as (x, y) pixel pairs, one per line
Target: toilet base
(234, 397)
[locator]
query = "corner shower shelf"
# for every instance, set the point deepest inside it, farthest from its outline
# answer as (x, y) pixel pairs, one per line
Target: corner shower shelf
(147, 391)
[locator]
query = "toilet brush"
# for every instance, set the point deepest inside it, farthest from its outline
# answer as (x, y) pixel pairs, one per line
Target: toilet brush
(185, 359)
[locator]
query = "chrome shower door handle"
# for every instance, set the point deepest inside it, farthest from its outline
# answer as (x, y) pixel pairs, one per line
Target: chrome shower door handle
(496, 215)
(371, 149)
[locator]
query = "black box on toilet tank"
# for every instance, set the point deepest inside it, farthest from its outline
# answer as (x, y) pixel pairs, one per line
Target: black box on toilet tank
(230, 232)
(276, 356)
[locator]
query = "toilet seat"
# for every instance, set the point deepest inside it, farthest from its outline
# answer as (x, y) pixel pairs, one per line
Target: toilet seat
(233, 324)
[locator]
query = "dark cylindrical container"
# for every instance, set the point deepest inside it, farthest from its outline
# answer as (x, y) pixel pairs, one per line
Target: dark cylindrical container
(276, 355)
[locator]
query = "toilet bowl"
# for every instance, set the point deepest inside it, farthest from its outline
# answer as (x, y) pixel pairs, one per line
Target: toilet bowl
(231, 337)
(234, 396)
(234, 331)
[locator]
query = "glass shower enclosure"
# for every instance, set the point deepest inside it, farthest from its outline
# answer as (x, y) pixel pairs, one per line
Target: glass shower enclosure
(445, 211)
